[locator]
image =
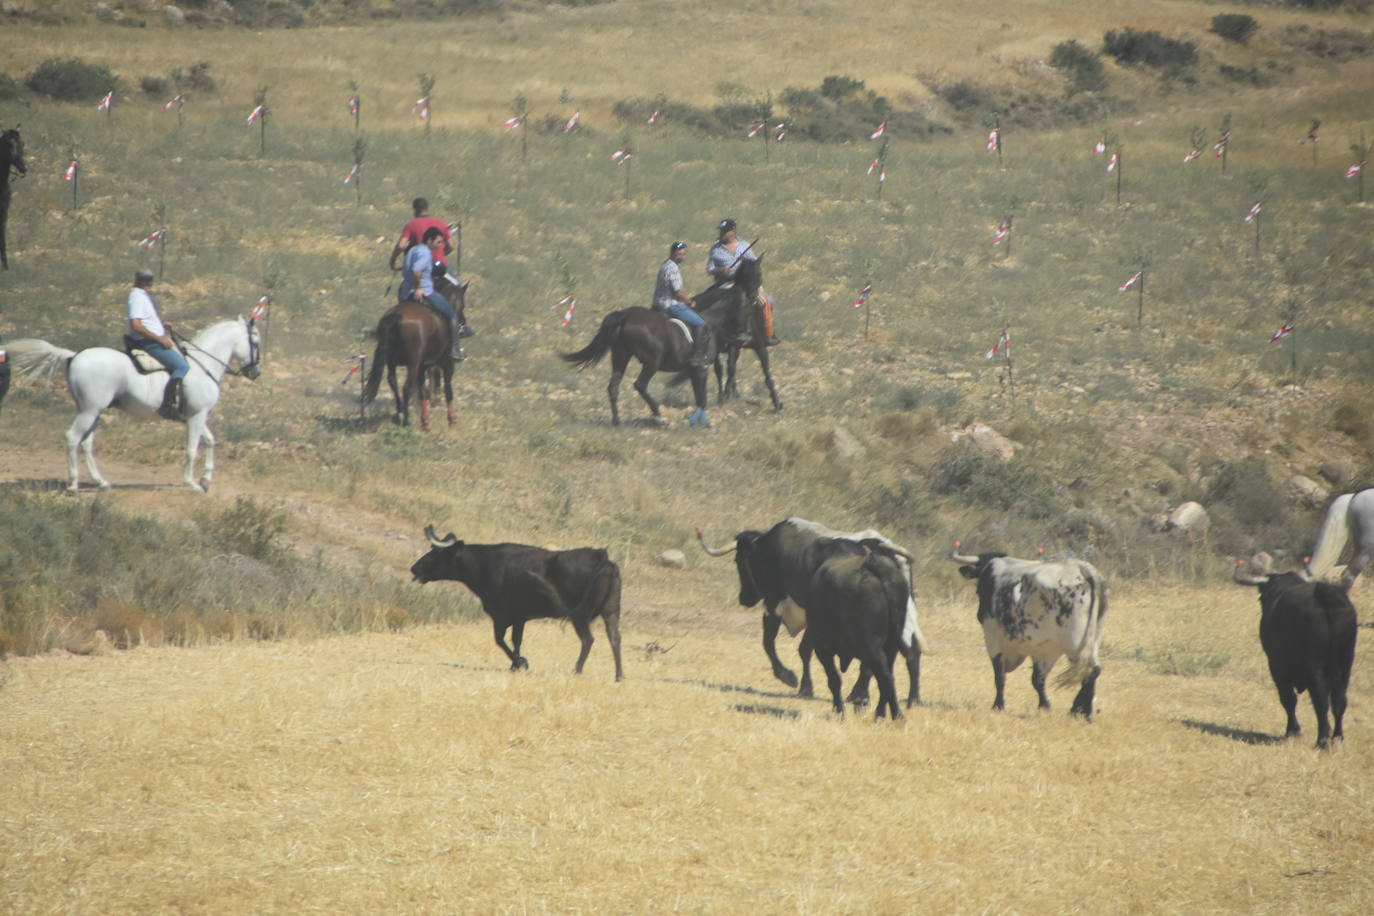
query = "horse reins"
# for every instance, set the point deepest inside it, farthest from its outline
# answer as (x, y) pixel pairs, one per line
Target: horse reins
(254, 353)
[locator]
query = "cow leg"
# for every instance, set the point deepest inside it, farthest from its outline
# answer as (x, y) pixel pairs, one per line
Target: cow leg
(881, 665)
(1083, 702)
(858, 694)
(804, 650)
(612, 622)
(999, 680)
(1038, 672)
(913, 670)
(1337, 709)
(832, 677)
(1321, 704)
(771, 622)
(517, 635)
(499, 629)
(584, 633)
(1289, 698)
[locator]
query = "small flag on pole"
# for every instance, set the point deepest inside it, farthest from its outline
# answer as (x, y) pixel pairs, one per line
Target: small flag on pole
(1195, 154)
(622, 155)
(1281, 333)
(176, 102)
(357, 360)
(352, 175)
(1000, 233)
(1355, 169)
(71, 172)
(1003, 344)
(780, 133)
(353, 104)
(1220, 146)
(573, 121)
(1310, 138)
(421, 108)
(1111, 163)
(1131, 282)
(862, 299)
(260, 310)
(882, 175)
(255, 114)
(513, 123)
(571, 303)
(653, 118)
(872, 167)
(1254, 212)
(152, 239)
(879, 131)
(107, 102)
(755, 129)
(1100, 147)
(994, 140)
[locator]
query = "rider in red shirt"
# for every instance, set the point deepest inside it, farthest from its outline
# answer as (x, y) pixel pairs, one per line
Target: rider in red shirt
(414, 234)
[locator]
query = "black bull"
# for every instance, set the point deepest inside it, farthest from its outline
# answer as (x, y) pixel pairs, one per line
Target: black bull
(779, 565)
(517, 583)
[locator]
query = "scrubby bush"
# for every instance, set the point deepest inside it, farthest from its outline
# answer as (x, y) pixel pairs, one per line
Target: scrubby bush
(71, 79)
(1084, 66)
(1336, 45)
(195, 78)
(11, 90)
(988, 482)
(154, 86)
(1150, 48)
(1237, 27)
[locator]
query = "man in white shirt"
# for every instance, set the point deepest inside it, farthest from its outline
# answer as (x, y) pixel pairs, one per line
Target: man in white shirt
(147, 332)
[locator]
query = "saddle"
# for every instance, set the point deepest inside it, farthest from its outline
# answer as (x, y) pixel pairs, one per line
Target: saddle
(682, 326)
(143, 362)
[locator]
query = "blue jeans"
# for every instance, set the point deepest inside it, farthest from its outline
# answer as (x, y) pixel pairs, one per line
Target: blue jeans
(440, 305)
(686, 315)
(173, 360)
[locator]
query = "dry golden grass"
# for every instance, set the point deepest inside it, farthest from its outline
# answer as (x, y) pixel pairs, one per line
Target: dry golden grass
(412, 773)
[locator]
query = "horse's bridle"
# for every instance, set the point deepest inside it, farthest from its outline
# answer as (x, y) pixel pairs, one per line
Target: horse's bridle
(248, 370)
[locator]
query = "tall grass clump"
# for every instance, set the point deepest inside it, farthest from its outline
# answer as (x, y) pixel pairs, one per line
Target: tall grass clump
(1149, 48)
(1236, 27)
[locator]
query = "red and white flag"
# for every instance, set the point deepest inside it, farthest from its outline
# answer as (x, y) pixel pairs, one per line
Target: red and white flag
(1281, 333)
(879, 131)
(260, 310)
(882, 175)
(1003, 344)
(994, 140)
(780, 133)
(353, 104)
(107, 102)
(571, 303)
(872, 167)
(71, 172)
(1111, 163)
(421, 108)
(622, 155)
(1220, 146)
(152, 239)
(352, 175)
(1310, 138)
(1100, 147)
(1355, 169)
(1195, 154)
(653, 118)
(1000, 233)
(513, 123)
(755, 129)
(357, 360)
(255, 114)
(862, 299)
(1254, 212)
(1131, 282)
(176, 102)
(573, 121)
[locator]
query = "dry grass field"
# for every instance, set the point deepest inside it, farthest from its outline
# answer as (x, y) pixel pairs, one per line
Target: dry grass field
(331, 738)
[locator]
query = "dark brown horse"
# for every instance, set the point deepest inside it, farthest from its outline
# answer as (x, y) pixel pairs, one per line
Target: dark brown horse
(736, 320)
(417, 337)
(11, 157)
(659, 345)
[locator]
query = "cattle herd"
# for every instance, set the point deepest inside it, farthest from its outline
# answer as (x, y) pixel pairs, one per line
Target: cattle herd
(853, 596)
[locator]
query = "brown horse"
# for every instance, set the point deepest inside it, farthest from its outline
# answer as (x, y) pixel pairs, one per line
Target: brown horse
(415, 336)
(659, 345)
(736, 321)
(11, 157)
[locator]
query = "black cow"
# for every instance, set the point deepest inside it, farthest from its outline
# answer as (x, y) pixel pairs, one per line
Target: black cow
(4, 373)
(1308, 631)
(778, 566)
(857, 610)
(516, 583)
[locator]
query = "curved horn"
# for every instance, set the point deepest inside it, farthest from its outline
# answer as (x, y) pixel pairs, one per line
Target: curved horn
(447, 541)
(958, 557)
(715, 552)
(1244, 578)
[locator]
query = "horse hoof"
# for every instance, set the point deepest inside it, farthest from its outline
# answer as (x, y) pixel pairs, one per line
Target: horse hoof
(103, 484)
(205, 485)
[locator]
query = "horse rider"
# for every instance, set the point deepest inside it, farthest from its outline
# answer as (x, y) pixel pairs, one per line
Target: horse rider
(417, 282)
(414, 232)
(723, 260)
(148, 333)
(670, 297)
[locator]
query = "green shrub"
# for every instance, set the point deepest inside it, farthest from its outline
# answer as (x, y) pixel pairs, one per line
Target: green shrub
(248, 528)
(72, 80)
(1150, 48)
(1251, 76)
(196, 78)
(1237, 27)
(1084, 66)
(154, 86)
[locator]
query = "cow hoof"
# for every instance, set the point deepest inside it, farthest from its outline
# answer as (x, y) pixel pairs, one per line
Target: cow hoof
(520, 664)
(787, 677)
(805, 691)
(859, 702)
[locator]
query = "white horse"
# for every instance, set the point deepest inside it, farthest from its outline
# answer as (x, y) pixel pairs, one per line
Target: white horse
(1351, 516)
(102, 377)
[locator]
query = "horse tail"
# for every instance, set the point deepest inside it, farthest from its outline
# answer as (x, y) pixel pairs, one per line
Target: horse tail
(1331, 539)
(385, 327)
(33, 357)
(592, 353)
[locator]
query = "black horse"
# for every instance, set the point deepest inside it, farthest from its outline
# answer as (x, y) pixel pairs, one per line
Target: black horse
(11, 157)
(658, 343)
(736, 320)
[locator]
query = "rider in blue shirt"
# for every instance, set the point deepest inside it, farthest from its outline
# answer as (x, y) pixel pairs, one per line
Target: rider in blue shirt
(670, 297)
(417, 282)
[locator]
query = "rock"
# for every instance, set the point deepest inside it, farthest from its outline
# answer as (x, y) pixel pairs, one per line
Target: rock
(1189, 518)
(843, 444)
(174, 15)
(1338, 473)
(987, 439)
(1305, 490)
(673, 559)
(104, 12)
(83, 641)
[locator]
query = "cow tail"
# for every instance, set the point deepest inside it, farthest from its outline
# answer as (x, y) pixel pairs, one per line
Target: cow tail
(591, 354)
(1331, 540)
(374, 375)
(911, 628)
(897, 597)
(603, 591)
(1087, 651)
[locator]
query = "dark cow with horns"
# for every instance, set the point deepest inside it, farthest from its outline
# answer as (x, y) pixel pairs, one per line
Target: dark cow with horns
(517, 583)
(779, 566)
(1040, 610)
(1308, 631)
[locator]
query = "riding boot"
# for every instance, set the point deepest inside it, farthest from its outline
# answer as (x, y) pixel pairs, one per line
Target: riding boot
(171, 400)
(455, 334)
(770, 338)
(701, 348)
